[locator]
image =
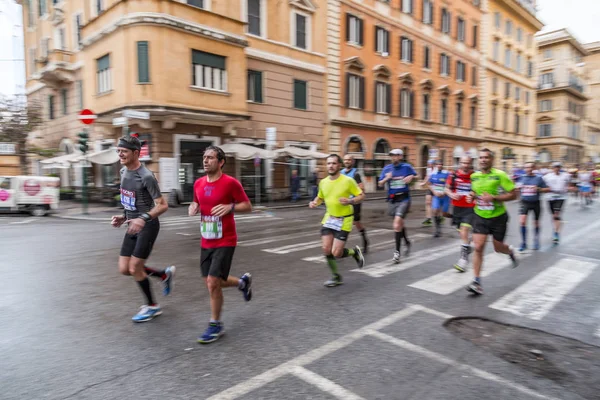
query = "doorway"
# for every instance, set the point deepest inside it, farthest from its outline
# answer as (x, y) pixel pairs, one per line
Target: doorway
(191, 166)
(424, 159)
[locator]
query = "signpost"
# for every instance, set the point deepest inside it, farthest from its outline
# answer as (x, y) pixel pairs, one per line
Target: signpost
(87, 117)
(271, 136)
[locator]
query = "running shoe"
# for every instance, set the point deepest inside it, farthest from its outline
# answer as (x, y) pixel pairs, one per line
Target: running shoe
(358, 256)
(536, 243)
(168, 281)
(335, 280)
(513, 257)
(365, 246)
(396, 258)
(475, 288)
(437, 234)
(247, 289)
(214, 331)
(147, 313)
(523, 246)
(427, 222)
(461, 265)
(555, 239)
(407, 251)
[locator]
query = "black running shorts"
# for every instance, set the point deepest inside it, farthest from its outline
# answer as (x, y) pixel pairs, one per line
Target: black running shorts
(357, 208)
(399, 209)
(339, 235)
(491, 226)
(140, 245)
(216, 262)
(527, 206)
(462, 215)
(556, 205)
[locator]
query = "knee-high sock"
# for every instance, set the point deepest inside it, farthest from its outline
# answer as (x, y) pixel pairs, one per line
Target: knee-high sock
(405, 236)
(145, 286)
(348, 253)
(524, 233)
(155, 272)
(332, 264)
(398, 240)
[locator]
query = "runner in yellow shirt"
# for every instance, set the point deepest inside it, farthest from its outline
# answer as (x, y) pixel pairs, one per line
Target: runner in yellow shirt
(336, 192)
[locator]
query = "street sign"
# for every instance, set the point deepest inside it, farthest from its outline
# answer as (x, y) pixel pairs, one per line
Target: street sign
(7, 148)
(136, 114)
(271, 136)
(87, 116)
(120, 121)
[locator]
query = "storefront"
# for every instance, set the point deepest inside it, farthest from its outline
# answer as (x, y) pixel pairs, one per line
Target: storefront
(9, 160)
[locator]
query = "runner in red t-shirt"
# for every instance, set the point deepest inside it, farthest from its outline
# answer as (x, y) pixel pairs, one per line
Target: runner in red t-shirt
(458, 186)
(216, 197)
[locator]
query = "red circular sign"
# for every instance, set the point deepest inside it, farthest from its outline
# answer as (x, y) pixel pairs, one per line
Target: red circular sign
(4, 195)
(31, 187)
(87, 116)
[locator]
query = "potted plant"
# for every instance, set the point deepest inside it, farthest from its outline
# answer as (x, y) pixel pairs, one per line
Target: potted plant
(66, 194)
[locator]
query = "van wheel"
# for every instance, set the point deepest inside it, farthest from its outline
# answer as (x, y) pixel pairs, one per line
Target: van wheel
(39, 211)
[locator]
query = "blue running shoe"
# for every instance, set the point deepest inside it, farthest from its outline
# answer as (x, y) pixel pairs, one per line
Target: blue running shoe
(247, 289)
(168, 281)
(214, 331)
(523, 247)
(147, 313)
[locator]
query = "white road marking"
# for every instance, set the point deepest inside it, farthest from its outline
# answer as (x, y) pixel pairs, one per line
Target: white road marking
(597, 333)
(384, 268)
(451, 280)
(27, 221)
(321, 259)
(324, 384)
(316, 243)
(274, 239)
(183, 234)
(536, 297)
(464, 367)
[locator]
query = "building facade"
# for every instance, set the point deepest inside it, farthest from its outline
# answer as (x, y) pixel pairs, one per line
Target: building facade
(592, 111)
(562, 98)
(207, 72)
(403, 74)
(509, 81)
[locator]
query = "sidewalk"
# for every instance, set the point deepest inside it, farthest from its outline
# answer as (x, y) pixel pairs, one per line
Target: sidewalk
(69, 209)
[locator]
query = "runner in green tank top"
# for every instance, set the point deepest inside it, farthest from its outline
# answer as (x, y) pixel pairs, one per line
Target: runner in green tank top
(490, 188)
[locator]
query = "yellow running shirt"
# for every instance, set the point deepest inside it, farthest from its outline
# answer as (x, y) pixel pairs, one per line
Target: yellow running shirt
(338, 216)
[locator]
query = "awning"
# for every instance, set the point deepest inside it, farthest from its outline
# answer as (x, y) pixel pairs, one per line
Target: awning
(245, 152)
(297, 152)
(59, 162)
(104, 157)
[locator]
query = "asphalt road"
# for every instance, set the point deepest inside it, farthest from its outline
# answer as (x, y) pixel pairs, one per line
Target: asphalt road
(66, 333)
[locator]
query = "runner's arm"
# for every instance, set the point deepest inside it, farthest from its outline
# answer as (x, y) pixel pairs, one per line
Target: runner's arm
(160, 204)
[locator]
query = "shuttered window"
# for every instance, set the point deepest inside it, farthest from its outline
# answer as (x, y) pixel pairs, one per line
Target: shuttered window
(143, 66)
(300, 94)
(255, 86)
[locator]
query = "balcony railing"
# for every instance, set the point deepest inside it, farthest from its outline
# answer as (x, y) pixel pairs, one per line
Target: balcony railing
(61, 56)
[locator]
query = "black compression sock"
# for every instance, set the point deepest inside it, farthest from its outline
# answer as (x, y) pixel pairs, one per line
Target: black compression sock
(398, 240)
(155, 272)
(405, 236)
(145, 286)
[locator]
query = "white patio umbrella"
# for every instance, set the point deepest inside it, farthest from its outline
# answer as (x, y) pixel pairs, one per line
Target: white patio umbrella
(300, 153)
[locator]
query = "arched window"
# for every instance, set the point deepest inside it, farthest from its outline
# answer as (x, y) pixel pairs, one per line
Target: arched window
(405, 156)
(382, 147)
(355, 145)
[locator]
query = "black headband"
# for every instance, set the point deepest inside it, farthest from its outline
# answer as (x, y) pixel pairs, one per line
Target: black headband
(127, 145)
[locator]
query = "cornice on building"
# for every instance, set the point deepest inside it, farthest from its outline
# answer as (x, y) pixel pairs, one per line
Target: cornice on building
(545, 39)
(287, 61)
(523, 9)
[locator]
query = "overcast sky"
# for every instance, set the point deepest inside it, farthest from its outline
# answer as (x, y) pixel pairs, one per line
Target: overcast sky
(581, 17)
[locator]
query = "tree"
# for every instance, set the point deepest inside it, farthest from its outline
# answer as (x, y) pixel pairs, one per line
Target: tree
(18, 118)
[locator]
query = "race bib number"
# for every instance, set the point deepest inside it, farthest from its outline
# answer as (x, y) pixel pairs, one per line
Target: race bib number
(485, 205)
(211, 227)
(556, 196)
(397, 184)
(439, 188)
(528, 190)
(334, 223)
(128, 200)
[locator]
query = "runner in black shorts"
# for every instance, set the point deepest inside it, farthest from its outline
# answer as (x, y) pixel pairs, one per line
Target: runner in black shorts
(530, 186)
(339, 193)
(143, 203)
(559, 184)
(352, 172)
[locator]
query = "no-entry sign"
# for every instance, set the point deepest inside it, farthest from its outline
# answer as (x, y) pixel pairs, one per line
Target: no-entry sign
(87, 116)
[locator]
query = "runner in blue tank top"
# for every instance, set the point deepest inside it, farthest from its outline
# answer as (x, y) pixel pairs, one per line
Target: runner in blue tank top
(441, 202)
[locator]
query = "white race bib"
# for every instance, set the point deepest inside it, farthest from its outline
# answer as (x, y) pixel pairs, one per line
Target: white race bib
(397, 184)
(529, 190)
(439, 188)
(211, 227)
(485, 205)
(334, 223)
(128, 200)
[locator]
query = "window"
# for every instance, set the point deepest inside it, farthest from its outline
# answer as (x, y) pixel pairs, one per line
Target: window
(519, 60)
(460, 71)
(446, 21)
(300, 95)
(444, 111)
(41, 7)
(525, 124)
(473, 76)
(507, 57)
(407, 6)
(473, 116)
(143, 64)
(382, 41)
(495, 86)
(475, 36)
(64, 98)
(547, 80)
(426, 115)
(59, 39)
(196, 3)
(506, 90)
(460, 30)
(505, 120)
(428, 12)
(517, 122)
(99, 7)
(77, 31)
(444, 65)
(301, 30)
(45, 47)
(529, 68)
(545, 105)
(103, 81)
(494, 114)
(50, 107)
(30, 14)
(383, 97)
(544, 130)
(520, 35)
(406, 50)
(458, 121)
(496, 50)
(517, 93)
(354, 30)
(255, 86)
(547, 54)
(355, 91)
(594, 139)
(508, 27)
(529, 41)
(497, 20)
(527, 98)
(209, 71)
(426, 57)
(406, 103)
(254, 14)
(80, 93)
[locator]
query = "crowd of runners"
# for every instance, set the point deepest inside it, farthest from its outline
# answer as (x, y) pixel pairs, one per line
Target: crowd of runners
(477, 194)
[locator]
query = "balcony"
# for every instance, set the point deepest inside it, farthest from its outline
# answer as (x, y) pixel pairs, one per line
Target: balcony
(576, 86)
(59, 68)
(544, 86)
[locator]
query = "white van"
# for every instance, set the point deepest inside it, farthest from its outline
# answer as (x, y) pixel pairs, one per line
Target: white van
(37, 195)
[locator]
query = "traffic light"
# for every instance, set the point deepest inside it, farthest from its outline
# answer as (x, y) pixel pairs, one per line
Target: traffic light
(83, 141)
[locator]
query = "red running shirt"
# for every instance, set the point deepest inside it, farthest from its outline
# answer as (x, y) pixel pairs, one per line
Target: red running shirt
(218, 231)
(460, 183)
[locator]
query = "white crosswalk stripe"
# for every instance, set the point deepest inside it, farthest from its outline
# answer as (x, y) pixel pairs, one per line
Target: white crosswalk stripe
(291, 248)
(536, 297)
(451, 280)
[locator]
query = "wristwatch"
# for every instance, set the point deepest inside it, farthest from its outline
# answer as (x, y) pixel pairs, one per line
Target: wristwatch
(146, 217)
(232, 207)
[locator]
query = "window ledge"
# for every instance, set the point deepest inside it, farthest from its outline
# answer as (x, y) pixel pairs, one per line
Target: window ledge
(104, 93)
(427, 70)
(212, 91)
(143, 83)
(358, 46)
(300, 109)
(383, 54)
(255, 102)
